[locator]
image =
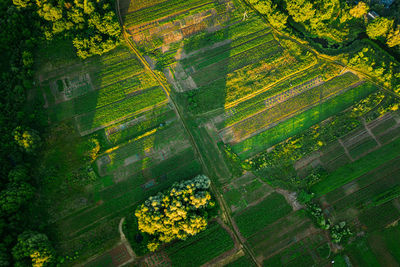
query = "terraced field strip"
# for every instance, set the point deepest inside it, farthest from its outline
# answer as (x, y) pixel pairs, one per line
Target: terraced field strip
(302, 121)
(256, 104)
(363, 181)
(351, 171)
(101, 118)
(206, 245)
(162, 10)
(293, 104)
(267, 211)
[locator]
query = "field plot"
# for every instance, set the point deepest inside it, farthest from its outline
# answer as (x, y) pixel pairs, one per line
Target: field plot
(302, 121)
(244, 191)
(206, 246)
(87, 91)
(114, 140)
(283, 109)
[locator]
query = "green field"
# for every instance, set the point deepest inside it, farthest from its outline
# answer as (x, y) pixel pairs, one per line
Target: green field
(357, 168)
(267, 211)
(206, 246)
(302, 121)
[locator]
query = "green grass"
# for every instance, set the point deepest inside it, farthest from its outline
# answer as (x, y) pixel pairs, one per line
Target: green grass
(302, 121)
(201, 248)
(267, 211)
(353, 170)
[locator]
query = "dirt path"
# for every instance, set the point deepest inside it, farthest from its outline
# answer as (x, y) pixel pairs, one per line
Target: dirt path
(125, 242)
(346, 151)
(370, 133)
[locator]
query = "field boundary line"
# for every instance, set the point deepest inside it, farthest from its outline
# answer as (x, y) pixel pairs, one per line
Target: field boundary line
(346, 151)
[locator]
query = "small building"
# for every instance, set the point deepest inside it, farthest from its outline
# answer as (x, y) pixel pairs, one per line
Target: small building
(372, 15)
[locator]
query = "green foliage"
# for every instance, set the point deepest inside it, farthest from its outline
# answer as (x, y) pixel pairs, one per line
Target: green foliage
(340, 232)
(28, 139)
(15, 196)
(300, 10)
(92, 24)
(379, 27)
(36, 248)
(393, 37)
(360, 10)
(177, 214)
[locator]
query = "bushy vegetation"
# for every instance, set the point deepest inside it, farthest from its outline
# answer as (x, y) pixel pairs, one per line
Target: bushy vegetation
(176, 214)
(92, 25)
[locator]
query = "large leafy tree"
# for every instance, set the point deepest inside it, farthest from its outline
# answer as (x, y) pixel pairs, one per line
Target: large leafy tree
(393, 38)
(35, 248)
(379, 27)
(176, 214)
(300, 10)
(92, 25)
(360, 10)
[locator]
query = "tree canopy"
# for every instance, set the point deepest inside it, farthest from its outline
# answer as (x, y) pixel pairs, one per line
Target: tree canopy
(92, 25)
(176, 214)
(360, 10)
(379, 27)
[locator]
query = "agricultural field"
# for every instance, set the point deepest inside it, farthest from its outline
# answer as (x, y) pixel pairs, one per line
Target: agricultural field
(270, 120)
(209, 87)
(116, 140)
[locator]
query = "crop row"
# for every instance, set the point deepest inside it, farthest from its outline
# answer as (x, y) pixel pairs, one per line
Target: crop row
(384, 170)
(225, 66)
(291, 106)
(235, 50)
(360, 198)
(353, 170)
(267, 211)
(113, 73)
(206, 245)
(246, 108)
(140, 127)
(117, 110)
(238, 33)
(255, 77)
(160, 10)
(139, 147)
(302, 121)
(139, 4)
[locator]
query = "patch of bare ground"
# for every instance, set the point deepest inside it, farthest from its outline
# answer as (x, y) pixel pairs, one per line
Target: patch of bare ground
(291, 198)
(181, 81)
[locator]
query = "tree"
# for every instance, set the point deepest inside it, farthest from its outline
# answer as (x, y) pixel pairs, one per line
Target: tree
(177, 214)
(300, 10)
(393, 38)
(15, 196)
(360, 10)
(34, 247)
(28, 139)
(379, 27)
